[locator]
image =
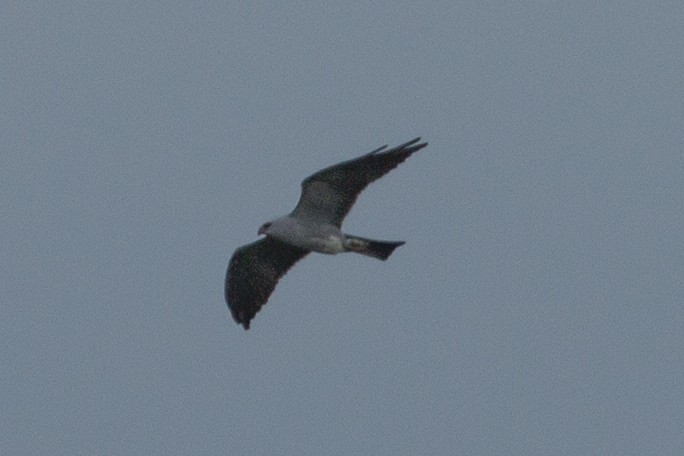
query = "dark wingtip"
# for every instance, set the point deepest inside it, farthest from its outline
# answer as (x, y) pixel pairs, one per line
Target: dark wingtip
(400, 147)
(412, 142)
(372, 152)
(241, 318)
(409, 146)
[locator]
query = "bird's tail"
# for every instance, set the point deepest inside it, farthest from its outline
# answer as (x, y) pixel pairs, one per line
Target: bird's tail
(369, 247)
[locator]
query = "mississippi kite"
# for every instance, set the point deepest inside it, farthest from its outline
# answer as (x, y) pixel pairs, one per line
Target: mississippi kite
(313, 226)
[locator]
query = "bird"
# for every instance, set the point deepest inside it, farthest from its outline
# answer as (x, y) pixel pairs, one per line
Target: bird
(313, 226)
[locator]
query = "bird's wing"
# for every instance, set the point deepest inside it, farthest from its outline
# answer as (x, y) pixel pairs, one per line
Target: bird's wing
(328, 195)
(253, 272)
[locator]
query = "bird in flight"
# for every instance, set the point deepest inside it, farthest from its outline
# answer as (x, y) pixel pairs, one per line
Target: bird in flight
(313, 226)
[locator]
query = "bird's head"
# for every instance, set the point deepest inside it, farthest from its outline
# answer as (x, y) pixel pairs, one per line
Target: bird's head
(263, 228)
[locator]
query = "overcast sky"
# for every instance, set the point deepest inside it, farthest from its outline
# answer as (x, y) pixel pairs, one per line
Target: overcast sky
(537, 307)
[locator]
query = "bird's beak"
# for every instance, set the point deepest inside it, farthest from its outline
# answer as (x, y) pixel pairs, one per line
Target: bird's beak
(261, 230)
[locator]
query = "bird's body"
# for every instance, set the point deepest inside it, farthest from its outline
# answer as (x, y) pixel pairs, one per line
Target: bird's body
(321, 238)
(313, 226)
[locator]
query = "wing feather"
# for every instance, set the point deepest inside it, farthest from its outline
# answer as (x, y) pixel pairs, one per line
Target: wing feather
(253, 272)
(328, 195)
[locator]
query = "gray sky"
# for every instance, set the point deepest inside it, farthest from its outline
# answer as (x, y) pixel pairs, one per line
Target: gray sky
(535, 309)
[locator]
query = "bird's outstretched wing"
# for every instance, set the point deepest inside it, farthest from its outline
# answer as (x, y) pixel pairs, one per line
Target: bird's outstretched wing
(328, 195)
(253, 272)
